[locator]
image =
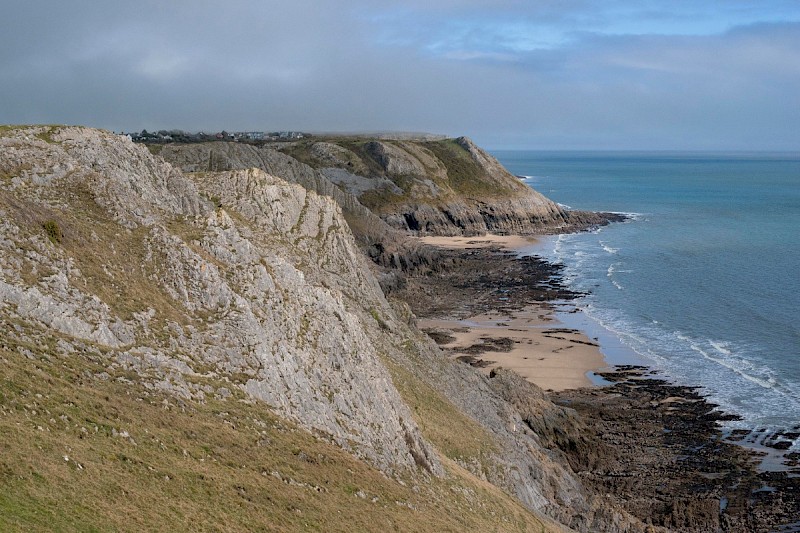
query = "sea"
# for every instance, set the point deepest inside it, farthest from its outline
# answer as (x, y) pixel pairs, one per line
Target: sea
(702, 282)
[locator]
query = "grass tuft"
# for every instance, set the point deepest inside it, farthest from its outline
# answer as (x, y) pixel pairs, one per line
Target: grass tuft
(53, 231)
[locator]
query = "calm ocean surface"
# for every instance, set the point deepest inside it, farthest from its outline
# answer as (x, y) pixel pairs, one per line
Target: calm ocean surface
(703, 282)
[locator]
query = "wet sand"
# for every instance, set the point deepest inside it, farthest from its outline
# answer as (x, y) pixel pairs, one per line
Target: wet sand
(529, 342)
(508, 242)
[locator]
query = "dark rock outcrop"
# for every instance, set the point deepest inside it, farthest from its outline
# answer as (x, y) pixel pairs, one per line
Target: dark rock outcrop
(664, 458)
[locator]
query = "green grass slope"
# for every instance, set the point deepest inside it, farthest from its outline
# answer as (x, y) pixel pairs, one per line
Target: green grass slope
(445, 163)
(82, 454)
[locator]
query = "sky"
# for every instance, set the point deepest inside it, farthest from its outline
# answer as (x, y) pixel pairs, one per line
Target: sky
(511, 74)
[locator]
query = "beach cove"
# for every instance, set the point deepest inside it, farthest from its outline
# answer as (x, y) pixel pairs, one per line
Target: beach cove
(527, 339)
(701, 282)
(660, 448)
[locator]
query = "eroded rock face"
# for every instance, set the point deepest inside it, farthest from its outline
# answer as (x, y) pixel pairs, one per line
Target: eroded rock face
(522, 215)
(237, 284)
(331, 155)
(341, 176)
(221, 156)
(442, 187)
(262, 289)
(475, 198)
(395, 160)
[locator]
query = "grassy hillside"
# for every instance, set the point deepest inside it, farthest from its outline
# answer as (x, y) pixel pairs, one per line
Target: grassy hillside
(444, 162)
(83, 453)
(466, 177)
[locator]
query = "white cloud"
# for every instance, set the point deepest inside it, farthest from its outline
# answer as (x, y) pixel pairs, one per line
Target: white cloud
(554, 73)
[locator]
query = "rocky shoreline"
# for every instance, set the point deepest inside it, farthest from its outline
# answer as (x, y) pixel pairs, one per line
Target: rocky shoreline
(242, 304)
(658, 450)
(668, 462)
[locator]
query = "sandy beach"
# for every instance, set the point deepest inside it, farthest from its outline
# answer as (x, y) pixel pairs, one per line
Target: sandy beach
(529, 340)
(507, 242)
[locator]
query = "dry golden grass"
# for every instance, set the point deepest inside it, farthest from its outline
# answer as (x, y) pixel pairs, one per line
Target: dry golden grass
(81, 454)
(452, 432)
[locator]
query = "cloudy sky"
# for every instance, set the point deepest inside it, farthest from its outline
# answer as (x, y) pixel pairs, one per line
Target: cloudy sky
(566, 74)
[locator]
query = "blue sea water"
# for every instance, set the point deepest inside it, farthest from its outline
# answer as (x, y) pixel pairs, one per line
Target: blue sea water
(703, 282)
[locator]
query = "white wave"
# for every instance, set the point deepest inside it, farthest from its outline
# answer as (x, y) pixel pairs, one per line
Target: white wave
(631, 216)
(728, 358)
(617, 285)
(612, 269)
(607, 248)
(721, 347)
(558, 248)
(739, 366)
(563, 206)
(619, 328)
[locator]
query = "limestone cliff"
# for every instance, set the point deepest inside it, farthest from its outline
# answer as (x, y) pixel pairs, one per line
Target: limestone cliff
(385, 245)
(237, 287)
(437, 187)
(105, 246)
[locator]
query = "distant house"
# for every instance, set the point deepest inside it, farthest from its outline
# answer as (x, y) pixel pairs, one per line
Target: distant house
(289, 135)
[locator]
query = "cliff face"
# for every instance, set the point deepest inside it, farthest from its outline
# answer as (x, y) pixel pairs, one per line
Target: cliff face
(440, 187)
(109, 248)
(235, 287)
(386, 245)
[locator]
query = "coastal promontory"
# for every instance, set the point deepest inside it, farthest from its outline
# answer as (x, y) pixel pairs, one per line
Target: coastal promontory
(232, 336)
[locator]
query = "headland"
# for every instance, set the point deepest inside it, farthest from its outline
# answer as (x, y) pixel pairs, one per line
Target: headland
(230, 334)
